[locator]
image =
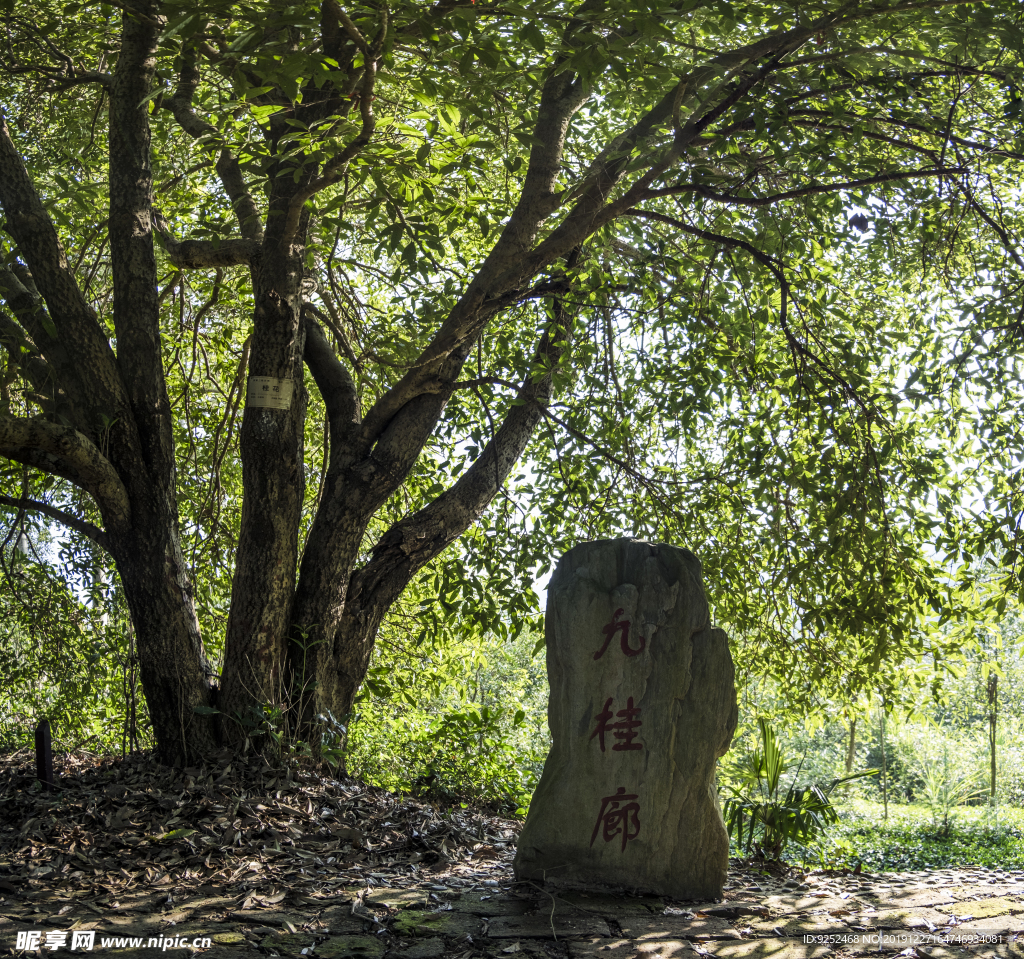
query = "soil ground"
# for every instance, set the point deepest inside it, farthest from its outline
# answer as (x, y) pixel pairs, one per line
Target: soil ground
(250, 862)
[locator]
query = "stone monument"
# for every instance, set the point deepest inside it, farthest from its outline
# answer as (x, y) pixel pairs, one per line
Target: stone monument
(642, 705)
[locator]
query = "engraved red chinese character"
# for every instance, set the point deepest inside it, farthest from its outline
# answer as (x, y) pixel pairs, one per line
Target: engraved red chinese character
(620, 626)
(625, 730)
(618, 817)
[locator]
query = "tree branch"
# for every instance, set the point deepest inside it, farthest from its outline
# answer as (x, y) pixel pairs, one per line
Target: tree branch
(85, 76)
(180, 106)
(714, 87)
(699, 190)
(335, 168)
(996, 227)
(63, 81)
(351, 29)
(64, 451)
(98, 536)
(68, 75)
(27, 358)
(591, 212)
(797, 349)
(68, 333)
(332, 379)
(415, 540)
(561, 97)
(712, 237)
(204, 254)
(334, 323)
(136, 304)
(512, 262)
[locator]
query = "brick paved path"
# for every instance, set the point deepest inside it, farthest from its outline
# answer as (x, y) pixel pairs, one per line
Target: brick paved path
(759, 918)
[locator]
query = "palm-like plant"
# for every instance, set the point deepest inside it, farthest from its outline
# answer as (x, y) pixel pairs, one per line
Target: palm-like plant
(944, 790)
(761, 818)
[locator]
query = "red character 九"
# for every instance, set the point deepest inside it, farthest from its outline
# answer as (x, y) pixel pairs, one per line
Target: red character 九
(620, 626)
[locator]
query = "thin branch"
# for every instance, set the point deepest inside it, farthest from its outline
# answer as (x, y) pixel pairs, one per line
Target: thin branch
(67, 76)
(997, 228)
(797, 349)
(703, 191)
(93, 532)
(228, 169)
(335, 168)
(26, 356)
(350, 28)
(63, 81)
(333, 322)
(990, 149)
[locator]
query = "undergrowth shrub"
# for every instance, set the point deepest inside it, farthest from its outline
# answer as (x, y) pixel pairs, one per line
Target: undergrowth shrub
(909, 839)
(460, 720)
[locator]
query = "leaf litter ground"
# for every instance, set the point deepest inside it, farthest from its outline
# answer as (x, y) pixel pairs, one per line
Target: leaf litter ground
(247, 861)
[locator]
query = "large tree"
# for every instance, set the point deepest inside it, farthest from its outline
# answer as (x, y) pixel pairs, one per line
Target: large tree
(444, 214)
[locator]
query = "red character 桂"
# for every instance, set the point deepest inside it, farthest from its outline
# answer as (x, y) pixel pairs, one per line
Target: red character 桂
(625, 730)
(620, 626)
(619, 816)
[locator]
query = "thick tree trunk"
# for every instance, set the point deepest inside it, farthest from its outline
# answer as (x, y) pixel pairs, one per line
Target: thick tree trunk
(176, 675)
(255, 682)
(354, 491)
(348, 609)
(341, 673)
(327, 562)
(174, 669)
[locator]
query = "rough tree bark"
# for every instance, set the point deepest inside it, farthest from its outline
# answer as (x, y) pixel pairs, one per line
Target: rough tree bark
(254, 673)
(118, 404)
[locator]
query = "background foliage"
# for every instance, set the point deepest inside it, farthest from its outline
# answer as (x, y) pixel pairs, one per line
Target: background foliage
(819, 395)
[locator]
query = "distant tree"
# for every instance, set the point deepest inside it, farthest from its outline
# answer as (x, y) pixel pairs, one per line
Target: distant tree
(447, 215)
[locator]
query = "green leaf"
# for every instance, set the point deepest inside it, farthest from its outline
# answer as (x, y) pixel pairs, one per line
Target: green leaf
(176, 834)
(532, 35)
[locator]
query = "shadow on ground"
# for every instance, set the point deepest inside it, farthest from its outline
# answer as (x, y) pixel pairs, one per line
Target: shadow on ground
(245, 861)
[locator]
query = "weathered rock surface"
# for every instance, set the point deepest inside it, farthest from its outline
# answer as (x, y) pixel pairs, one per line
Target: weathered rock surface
(642, 705)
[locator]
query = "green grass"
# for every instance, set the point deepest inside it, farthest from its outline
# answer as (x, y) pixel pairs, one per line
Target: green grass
(911, 839)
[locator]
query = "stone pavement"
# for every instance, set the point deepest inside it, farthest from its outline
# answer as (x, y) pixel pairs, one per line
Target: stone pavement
(760, 918)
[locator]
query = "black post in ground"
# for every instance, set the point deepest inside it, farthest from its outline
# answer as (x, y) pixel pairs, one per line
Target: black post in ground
(44, 755)
(993, 707)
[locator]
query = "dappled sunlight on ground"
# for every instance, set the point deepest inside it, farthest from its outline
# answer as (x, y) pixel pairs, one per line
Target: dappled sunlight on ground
(248, 861)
